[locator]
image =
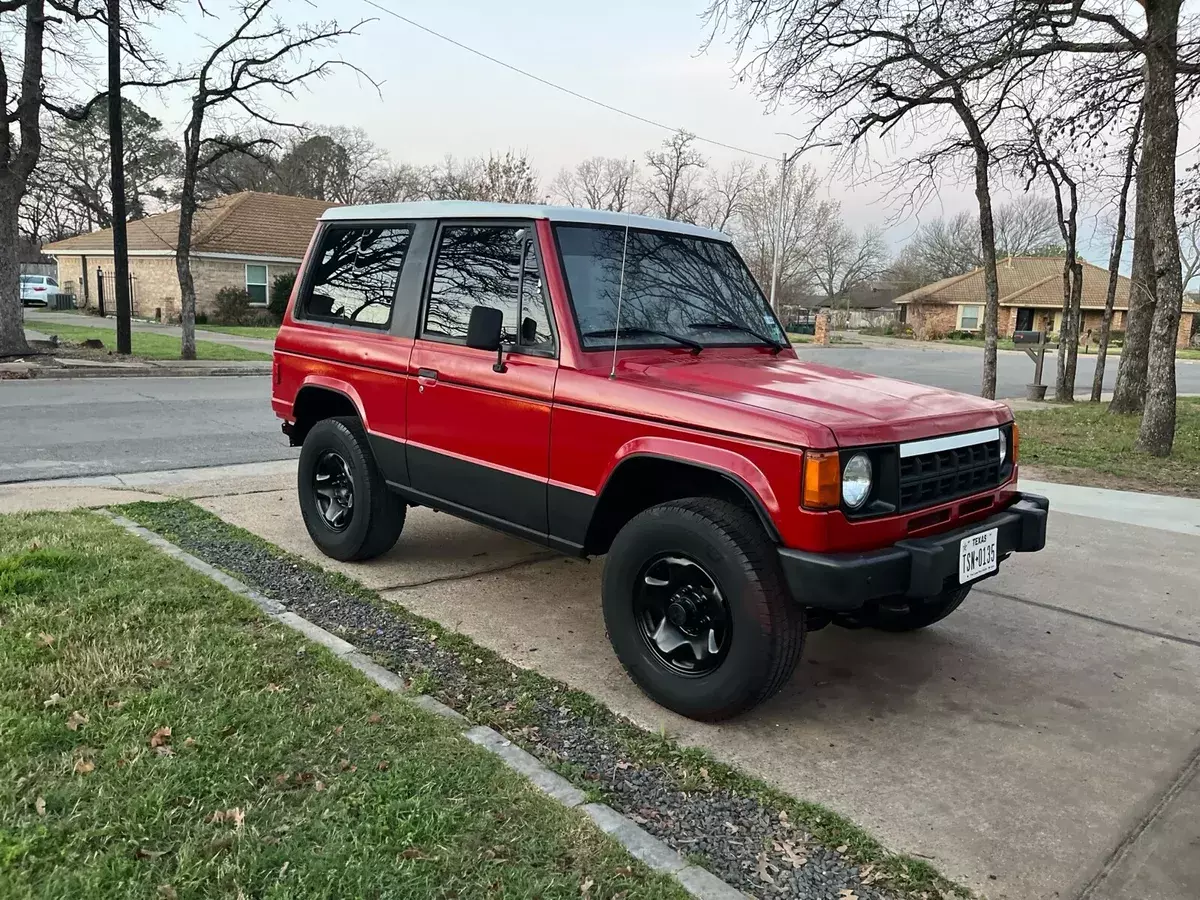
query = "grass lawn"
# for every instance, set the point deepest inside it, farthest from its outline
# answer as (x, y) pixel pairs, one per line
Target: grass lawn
(149, 345)
(266, 332)
(1084, 444)
(1007, 344)
(159, 737)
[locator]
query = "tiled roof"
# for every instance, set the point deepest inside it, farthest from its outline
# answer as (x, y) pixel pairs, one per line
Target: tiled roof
(1026, 281)
(245, 224)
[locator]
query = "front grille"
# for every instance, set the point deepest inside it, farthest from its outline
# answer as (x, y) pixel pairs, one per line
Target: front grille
(928, 479)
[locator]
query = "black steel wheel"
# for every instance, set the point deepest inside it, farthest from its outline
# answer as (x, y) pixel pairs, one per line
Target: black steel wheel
(697, 609)
(682, 615)
(333, 490)
(348, 510)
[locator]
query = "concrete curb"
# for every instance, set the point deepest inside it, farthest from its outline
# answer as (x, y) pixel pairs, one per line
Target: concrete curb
(165, 372)
(698, 882)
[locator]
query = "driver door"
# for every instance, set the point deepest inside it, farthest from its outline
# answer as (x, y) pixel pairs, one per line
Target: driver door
(478, 438)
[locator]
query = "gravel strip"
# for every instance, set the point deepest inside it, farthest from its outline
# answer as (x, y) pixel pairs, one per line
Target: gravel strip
(737, 837)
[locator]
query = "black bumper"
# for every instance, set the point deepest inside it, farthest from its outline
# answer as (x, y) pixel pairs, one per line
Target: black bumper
(922, 567)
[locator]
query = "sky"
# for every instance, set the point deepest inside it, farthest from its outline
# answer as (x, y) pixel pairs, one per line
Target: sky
(436, 99)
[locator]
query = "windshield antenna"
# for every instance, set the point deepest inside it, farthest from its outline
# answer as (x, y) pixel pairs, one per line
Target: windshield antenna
(620, 294)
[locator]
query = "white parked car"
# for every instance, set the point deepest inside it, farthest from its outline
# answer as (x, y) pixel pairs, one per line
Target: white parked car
(37, 290)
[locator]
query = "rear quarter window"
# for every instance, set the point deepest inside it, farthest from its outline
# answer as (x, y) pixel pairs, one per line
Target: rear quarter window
(354, 275)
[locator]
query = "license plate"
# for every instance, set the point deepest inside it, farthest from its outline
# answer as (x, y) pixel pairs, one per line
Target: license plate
(977, 555)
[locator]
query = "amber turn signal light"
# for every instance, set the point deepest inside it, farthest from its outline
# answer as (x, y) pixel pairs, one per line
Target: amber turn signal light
(821, 486)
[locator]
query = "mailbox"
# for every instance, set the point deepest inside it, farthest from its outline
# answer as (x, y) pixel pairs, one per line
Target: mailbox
(1028, 337)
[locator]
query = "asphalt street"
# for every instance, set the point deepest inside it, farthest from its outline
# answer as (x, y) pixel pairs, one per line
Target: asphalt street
(56, 428)
(103, 426)
(961, 369)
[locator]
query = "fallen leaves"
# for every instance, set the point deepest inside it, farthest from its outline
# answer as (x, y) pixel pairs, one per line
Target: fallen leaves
(765, 869)
(163, 663)
(847, 894)
(39, 806)
(55, 700)
(84, 766)
(45, 640)
(383, 766)
(841, 848)
(161, 737)
(75, 720)
(143, 853)
(788, 851)
(166, 892)
(273, 688)
(235, 816)
(585, 887)
(374, 719)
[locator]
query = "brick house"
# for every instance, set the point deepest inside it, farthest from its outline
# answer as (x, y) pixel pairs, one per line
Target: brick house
(1031, 299)
(241, 240)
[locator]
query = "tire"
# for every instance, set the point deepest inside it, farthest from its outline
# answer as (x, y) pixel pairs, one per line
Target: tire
(915, 614)
(763, 634)
(375, 517)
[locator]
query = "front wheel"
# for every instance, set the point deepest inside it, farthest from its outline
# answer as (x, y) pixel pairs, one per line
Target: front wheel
(348, 510)
(697, 609)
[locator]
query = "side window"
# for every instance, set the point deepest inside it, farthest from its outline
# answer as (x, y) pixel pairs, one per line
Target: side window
(50, 281)
(488, 265)
(354, 281)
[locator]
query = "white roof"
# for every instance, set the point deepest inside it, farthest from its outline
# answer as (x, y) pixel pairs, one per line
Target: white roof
(473, 209)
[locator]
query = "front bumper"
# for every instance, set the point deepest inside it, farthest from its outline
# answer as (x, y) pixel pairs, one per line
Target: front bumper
(921, 567)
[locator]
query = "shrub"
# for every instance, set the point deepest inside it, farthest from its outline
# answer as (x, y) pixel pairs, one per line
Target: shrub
(201, 318)
(962, 336)
(1116, 338)
(934, 333)
(281, 290)
(232, 307)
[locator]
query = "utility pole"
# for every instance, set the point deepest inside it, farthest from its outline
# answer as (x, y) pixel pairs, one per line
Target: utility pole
(784, 163)
(117, 152)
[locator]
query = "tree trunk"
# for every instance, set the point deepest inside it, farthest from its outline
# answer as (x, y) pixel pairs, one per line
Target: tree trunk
(183, 245)
(1130, 391)
(1064, 392)
(116, 141)
(12, 314)
(987, 240)
(1114, 261)
(1157, 432)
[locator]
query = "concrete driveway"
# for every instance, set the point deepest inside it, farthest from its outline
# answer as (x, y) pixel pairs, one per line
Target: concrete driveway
(1042, 742)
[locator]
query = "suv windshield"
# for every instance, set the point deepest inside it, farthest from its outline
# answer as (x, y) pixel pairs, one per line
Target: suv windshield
(675, 285)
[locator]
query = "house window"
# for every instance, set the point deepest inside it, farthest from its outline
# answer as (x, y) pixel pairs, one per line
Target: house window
(968, 317)
(256, 284)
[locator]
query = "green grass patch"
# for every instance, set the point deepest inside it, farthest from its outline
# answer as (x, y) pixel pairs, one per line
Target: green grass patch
(150, 345)
(1086, 444)
(266, 332)
(501, 695)
(159, 737)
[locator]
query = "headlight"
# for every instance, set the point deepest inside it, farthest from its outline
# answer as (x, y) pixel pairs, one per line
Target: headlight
(856, 481)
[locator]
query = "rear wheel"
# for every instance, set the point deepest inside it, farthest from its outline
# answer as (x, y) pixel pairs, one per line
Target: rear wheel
(697, 609)
(348, 510)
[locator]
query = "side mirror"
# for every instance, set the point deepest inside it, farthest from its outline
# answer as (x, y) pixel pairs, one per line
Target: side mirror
(484, 332)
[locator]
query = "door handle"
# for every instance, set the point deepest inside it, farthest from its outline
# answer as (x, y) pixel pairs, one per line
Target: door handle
(426, 377)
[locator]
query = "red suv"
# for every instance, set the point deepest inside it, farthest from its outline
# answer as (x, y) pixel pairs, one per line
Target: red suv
(602, 383)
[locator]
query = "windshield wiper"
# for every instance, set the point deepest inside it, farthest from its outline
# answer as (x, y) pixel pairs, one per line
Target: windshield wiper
(776, 346)
(695, 346)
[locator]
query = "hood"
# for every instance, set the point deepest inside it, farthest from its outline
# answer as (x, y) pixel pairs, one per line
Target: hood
(856, 407)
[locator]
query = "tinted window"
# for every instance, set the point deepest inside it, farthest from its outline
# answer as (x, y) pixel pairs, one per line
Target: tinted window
(51, 282)
(494, 266)
(31, 279)
(694, 287)
(354, 280)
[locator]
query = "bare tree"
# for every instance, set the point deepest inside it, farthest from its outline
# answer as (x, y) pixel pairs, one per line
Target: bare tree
(263, 54)
(671, 185)
(838, 259)
(725, 194)
(1042, 157)
(508, 178)
(1114, 258)
(18, 157)
(607, 183)
(1189, 251)
(861, 69)
(1027, 226)
(760, 229)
